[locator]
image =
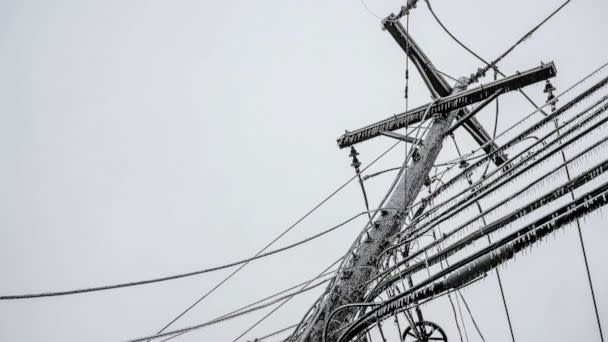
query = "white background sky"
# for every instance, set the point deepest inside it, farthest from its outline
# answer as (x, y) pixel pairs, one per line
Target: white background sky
(146, 138)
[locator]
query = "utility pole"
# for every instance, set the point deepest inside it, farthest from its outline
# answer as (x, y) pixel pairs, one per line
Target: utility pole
(348, 294)
(347, 291)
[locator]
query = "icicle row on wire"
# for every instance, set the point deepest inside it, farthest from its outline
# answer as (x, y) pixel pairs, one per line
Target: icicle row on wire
(486, 259)
(513, 216)
(524, 156)
(528, 163)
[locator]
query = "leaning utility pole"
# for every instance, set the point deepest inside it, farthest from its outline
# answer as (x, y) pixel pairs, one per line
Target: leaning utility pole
(387, 225)
(347, 292)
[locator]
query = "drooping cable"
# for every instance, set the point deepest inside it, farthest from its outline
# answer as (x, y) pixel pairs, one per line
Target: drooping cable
(484, 157)
(498, 278)
(488, 65)
(580, 180)
(464, 327)
(527, 35)
(261, 301)
(455, 317)
(274, 333)
(234, 314)
(470, 267)
(307, 286)
(583, 250)
(525, 158)
(496, 271)
(369, 10)
(223, 281)
(182, 275)
(466, 305)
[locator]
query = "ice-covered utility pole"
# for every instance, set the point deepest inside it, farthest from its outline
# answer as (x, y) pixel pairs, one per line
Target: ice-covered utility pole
(346, 292)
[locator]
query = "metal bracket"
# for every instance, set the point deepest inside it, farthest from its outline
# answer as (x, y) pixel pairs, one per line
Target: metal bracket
(401, 137)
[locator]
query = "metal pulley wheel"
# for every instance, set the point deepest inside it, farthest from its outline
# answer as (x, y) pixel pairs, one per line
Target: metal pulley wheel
(425, 331)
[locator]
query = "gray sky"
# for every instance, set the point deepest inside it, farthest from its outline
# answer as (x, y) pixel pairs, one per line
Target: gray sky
(146, 138)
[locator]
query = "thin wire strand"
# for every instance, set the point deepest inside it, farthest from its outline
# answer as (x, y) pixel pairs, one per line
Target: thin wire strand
(177, 332)
(493, 64)
(279, 306)
(188, 274)
(369, 10)
(584, 252)
(275, 333)
(237, 313)
(466, 305)
(529, 34)
(262, 301)
(273, 241)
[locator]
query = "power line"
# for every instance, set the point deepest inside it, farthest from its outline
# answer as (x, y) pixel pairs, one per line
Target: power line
(285, 299)
(471, 316)
(276, 332)
(223, 281)
(243, 262)
(527, 35)
(369, 10)
(586, 93)
(262, 300)
(492, 65)
(182, 275)
(233, 314)
(584, 252)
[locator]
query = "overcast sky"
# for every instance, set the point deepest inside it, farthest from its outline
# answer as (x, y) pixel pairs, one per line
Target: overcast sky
(145, 138)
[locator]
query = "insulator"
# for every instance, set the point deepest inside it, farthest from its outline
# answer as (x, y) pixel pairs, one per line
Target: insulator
(549, 88)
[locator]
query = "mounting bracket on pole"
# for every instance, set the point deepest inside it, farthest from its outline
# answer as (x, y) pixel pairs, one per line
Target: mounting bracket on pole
(401, 137)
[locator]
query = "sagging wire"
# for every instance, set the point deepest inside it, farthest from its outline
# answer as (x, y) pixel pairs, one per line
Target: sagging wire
(527, 155)
(241, 312)
(369, 10)
(223, 281)
(407, 309)
(552, 100)
(508, 129)
(466, 305)
(497, 272)
(464, 327)
(588, 92)
(262, 301)
(273, 241)
(495, 187)
(285, 299)
(526, 36)
(523, 153)
(482, 72)
(489, 257)
(188, 274)
(582, 179)
(275, 333)
(455, 317)
(549, 90)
